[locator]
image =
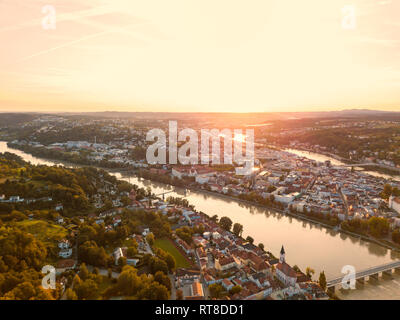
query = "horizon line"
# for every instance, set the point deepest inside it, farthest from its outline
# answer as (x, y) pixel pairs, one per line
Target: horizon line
(204, 112)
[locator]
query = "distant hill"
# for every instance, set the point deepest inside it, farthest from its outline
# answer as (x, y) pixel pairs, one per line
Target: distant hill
(10, 119)
(249, 118)
(216, 118)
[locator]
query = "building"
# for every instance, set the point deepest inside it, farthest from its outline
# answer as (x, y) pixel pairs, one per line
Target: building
(65, 253)
(60, 220)
(118, 253)
(285, 273)
(225, 263)
(64, 244)
(227, 284)
(179, 172)
(202, 179)
(15, 199)
(184, 246)
(196, 291)
(394, 203)
(64, 265)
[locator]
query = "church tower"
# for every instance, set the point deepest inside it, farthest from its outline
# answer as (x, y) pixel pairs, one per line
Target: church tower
(282, 258)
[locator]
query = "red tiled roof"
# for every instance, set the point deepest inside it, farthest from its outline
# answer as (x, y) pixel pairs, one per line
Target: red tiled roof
(227, 282)
(197, 289)
(286, 269)
(67, 263)
(226, 260)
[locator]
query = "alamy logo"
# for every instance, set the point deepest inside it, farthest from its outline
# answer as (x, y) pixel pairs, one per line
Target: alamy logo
(349, 280)
(188, 153)
(349, 17)
(49, 280)
(49, 21)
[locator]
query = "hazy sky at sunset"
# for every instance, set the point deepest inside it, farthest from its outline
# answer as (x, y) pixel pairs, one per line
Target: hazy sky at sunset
(199, 55)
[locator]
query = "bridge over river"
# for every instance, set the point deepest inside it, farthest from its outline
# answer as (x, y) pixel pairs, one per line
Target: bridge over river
(371, 273)
(370, 164)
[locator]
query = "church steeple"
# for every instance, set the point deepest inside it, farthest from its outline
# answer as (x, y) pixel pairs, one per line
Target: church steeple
(282, 258)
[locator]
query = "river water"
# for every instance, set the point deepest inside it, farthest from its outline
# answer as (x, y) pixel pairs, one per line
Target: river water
(306, 244)
(335, 162)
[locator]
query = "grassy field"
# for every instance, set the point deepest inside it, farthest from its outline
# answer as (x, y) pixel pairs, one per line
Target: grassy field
(48, 233)
(166, 245)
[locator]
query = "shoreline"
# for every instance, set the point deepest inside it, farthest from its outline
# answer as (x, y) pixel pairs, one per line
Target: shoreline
(297, 216)
(303, 218)
(376, 168)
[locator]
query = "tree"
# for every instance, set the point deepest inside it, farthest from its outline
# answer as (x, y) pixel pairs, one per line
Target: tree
(387, 191)
(179, 294)
(150, 239)
(122, 261)
(215, 290)
(154, 291)
(235, 289)
(396, 236)
(185, 233)
(108, 205)
(158, 265)
(261, 246)
(71, 294)
(24, 291)
(76, 282)
(163, 279)
(87, 290)
(3, 266)
(92, 254)
(128, 282)
(170, 260)
(237, 229)
(378, 226)
(131, 252)
(225, 223)
(322, 280)
(310, 272)
(250, 239)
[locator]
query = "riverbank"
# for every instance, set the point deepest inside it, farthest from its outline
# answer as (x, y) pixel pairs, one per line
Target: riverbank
(387, 244)
(376, 169)
(300, 216)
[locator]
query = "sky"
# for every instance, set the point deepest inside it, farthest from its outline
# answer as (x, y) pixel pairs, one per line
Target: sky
(199, 55)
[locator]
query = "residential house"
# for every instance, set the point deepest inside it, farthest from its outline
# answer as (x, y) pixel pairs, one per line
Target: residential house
(224, 263)
(65, 253)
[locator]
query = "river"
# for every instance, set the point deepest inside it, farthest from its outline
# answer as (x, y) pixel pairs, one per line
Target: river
(306, 244)
(335, 162)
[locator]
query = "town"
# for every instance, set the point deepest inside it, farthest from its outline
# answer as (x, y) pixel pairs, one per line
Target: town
(182, 253)
(330, 193)
(192, 254)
